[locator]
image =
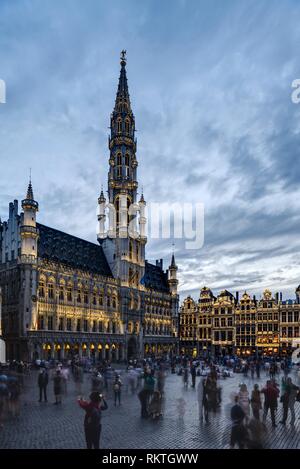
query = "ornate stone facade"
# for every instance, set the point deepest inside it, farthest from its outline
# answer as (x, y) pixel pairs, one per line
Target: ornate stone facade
(228, 324)
(64, 296)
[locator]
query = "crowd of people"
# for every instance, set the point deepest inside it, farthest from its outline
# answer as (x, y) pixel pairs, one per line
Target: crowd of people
(248, 411)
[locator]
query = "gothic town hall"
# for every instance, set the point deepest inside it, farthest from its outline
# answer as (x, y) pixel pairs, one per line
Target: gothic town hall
(63, 296)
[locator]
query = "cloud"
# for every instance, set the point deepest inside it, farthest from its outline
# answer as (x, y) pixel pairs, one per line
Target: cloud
(210, 88)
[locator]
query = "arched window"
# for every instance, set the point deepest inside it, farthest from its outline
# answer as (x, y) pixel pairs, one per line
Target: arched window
(130, 249)
(114, 302)
(119, 126)
(86, 296)
(101, 299)
(128, 205)
(137, 252)
(127, 163)
(61, 293)
(118, 210)
(51, 291)
(69, 292)
(42, 289)
(119, 159)
(127, 126)
(94, 299)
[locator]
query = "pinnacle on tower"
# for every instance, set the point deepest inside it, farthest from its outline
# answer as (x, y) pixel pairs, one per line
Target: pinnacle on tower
(101, 198)
(29, 194)
(29, 200)
(142, 200)
(122, 103)
(173, 263)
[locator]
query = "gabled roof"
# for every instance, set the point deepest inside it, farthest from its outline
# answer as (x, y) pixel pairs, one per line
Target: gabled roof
(156, 278)
(74, 252)
(226, 293)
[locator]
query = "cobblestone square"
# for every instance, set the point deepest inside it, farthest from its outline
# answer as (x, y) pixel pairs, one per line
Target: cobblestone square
(48, 426)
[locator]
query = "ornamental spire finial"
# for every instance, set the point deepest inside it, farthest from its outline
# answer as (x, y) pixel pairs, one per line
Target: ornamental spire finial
(123, 57)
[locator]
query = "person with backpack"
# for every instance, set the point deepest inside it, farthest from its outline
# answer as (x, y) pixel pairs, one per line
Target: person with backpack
(117, 389)
(92, 419)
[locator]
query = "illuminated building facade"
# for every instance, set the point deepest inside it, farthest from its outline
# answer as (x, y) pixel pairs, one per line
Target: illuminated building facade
(189, 323)
(64, 296)
(267, 332)
(245, 325)
(205, 305)
(242, 326)
(223, 327)
(289, 323)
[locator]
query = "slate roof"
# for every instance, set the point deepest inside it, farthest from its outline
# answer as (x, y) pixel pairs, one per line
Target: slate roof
(156, 278)
(71, 251)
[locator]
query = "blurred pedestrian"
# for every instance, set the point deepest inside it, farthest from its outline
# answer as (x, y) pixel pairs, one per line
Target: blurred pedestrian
(200, 397)
(271, 394)
(256, 401)
(14, 389)
(43, 383)
(117, 389)
(244, 400)
(289, 399)
(193, 374)
(255, 434)
(185, 377)
(155, 406)
(238, 429)
(57, 381)
(161, 380)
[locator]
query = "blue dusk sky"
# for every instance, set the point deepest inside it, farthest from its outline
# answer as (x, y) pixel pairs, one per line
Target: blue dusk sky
(210, 85)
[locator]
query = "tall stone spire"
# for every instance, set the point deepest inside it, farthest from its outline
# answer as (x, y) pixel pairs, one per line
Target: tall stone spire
(124, 245)
(122, 102)
(122, 145)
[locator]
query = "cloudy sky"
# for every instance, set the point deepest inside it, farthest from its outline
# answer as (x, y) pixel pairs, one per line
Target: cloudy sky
(210, 84)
